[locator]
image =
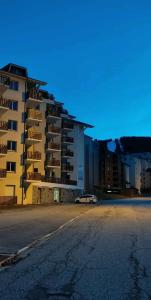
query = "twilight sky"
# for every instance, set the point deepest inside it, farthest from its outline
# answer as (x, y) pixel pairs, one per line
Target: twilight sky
(94, 54)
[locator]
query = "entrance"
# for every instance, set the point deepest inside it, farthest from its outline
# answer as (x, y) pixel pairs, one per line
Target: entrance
(56, 195)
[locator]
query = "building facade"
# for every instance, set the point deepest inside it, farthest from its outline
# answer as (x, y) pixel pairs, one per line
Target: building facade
(92, 163)
(41, 144)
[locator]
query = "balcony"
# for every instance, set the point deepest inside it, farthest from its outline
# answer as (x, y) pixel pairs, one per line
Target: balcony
(53, 147)
(4, 104)
(67, 153)
(60, 180)
(33, 176)
(53, 130)
(33, 137)
(68, 126)
(68, 140)
(32, 156)
(34, 97)
(4, 83)
(3, 150)
(3, 173)
(3, 127)
(34, 116)
(53, 114)
(67, 168)
(53, 163)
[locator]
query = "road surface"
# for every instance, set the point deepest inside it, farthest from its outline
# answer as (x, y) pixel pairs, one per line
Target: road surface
(105, 254)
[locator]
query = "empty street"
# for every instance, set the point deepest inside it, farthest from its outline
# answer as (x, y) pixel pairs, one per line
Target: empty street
(104, 253)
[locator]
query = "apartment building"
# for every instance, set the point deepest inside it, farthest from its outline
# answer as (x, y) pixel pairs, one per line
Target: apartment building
(41, 144)
(92, 165)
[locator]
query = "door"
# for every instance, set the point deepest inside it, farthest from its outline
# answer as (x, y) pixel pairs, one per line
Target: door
(56, 195)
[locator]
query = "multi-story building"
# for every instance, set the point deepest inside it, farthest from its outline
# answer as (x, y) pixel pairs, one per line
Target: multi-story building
(92, 165)
(41, 145)
(111, 166)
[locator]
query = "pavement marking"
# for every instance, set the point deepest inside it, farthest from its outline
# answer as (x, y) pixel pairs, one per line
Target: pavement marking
(16, 257)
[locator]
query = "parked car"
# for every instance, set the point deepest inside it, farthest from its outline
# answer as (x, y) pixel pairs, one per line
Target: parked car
(86, 199)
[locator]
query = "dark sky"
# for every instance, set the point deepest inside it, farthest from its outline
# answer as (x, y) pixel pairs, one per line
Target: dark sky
(95, 56)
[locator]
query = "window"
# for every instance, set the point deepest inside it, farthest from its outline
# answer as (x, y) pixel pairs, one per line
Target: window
(12, 145)
(13, 105)
(11, 166)
(14, 85)
(12, 125)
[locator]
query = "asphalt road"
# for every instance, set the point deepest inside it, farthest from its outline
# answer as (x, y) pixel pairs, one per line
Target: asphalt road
(104, 255)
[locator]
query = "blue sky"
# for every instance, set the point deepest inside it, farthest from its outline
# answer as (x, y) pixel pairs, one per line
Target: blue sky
(94, 54)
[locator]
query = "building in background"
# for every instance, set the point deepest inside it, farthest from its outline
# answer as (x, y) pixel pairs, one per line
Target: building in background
(41, 144)
(92, 163)
(112, 172)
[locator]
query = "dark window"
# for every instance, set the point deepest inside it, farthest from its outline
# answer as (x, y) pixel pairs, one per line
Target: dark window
(12, 125)
(11, 166)
(14, 85)
(12, 145)
(35, 170)
(13, 105)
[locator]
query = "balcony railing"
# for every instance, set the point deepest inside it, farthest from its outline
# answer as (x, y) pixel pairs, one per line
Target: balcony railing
(60, 180)
(33, 176)
(54, 146)
(34, 135)
(67, 167)
(3, 125)
(53, 162)
(4, 80)
(54, 129)
(35, 95)
(68, 125)
(4, 103)
(33, 155)
(3, 173)
(53, 113)
(68, 139)
(34, 114)
(3, 149)
(67, 153)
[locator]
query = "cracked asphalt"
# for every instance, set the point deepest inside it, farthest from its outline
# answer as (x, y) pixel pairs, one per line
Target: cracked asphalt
(104, 255)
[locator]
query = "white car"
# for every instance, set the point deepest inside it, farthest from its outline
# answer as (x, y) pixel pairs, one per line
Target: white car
(86, 199)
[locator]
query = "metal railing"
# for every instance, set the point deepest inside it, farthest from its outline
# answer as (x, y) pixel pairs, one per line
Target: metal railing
(35, 95)
(34, 135)
(53, 162)
(3, 149)
(54, 129)
(67, 153)
(34, 114)
(54, 146)
(4, 102)
(33, 155)
(3, 125)
(33, 176)
(3, 173)
(60, 180)
(68, 125)
(68, 139)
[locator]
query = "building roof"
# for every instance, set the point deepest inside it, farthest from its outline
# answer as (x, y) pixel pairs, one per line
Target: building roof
(136, 144)
(19, 71)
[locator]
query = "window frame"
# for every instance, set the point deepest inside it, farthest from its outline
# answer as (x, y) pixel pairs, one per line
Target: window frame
(10, 163)
(11, 143)
(12, 127)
